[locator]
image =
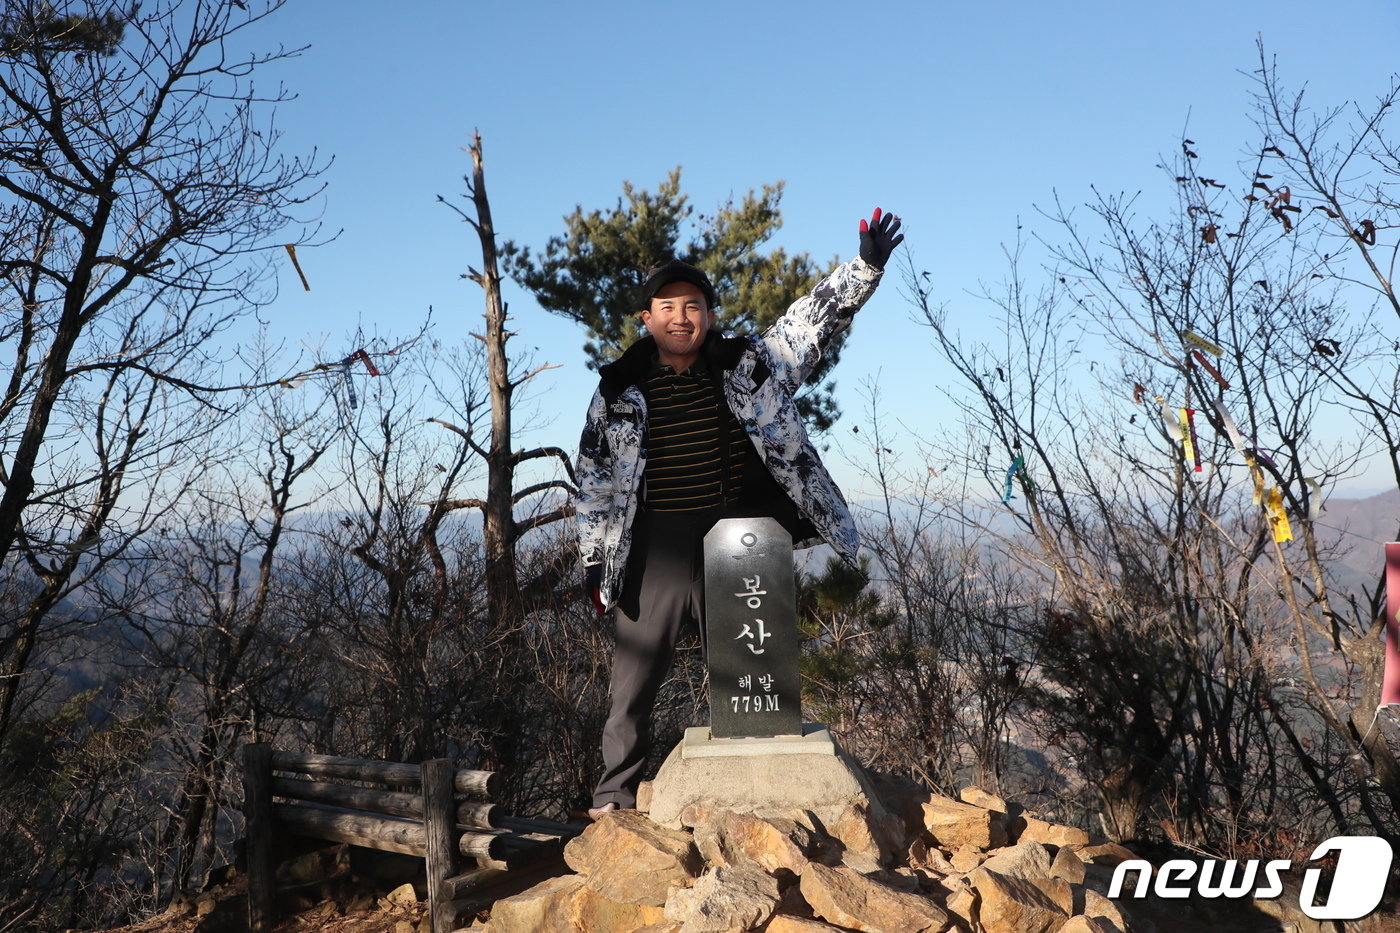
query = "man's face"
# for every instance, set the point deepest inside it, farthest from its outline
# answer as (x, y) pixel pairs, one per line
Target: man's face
(679, 320)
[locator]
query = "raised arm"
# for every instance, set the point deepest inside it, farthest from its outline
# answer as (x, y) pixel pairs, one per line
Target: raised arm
(796, 341)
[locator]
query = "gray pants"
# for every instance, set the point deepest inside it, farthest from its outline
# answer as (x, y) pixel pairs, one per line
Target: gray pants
(662, 595)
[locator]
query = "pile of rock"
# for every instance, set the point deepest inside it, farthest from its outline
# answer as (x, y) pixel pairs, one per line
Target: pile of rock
(898, 860)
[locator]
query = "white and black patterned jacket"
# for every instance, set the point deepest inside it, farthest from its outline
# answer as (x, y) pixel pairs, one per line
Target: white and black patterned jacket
(760, 376)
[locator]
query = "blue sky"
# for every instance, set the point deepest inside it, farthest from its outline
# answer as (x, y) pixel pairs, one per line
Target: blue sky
(959, 117)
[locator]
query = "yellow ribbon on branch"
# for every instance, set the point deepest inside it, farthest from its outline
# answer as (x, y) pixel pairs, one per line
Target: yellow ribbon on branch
(1258, 476)
(1202, 342)
(1187, 424)
(1278, 518)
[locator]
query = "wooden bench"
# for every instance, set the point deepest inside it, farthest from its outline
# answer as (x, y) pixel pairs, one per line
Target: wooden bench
(432, 811)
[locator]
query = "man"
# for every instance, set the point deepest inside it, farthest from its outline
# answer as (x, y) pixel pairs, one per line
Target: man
(688, 427)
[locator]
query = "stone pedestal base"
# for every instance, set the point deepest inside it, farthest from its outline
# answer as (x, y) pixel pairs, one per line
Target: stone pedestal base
(815, 740)
(753, 775)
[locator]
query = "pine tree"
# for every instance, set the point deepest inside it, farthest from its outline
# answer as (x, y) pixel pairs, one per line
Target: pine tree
(593, 273)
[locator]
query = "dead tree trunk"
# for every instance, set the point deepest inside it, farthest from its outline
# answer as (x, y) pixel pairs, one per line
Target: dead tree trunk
(499, 520)
(506, 604)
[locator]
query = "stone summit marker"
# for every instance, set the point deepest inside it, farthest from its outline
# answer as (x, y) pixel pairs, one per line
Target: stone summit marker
(757, 753)
(751, 630)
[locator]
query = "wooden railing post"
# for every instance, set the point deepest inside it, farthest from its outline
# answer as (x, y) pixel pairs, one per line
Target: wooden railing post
(440, 820)
(257, 817)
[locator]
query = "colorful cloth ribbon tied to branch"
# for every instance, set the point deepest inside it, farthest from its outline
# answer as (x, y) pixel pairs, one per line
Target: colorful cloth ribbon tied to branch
(363, 357)
(1169, 418)
(1258, 476)
(345, 367)
(292, 252)
(1314, 500)
(349, 383)
(1189, 443)
(1245, 445)
(1202, 342)
(1018, 466)
(1205, 364)
(1278, 518)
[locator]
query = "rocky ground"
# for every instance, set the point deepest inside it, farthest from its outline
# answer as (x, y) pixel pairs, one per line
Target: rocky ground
(904, 861)
(899, 861)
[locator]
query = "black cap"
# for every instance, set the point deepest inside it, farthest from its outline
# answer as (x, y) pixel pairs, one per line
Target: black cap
(677, 271)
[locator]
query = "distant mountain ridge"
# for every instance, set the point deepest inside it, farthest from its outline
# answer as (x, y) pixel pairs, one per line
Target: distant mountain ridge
(1359, 528)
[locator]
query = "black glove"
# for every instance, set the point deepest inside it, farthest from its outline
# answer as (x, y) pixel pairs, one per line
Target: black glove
(878, 240)
(593, 584)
